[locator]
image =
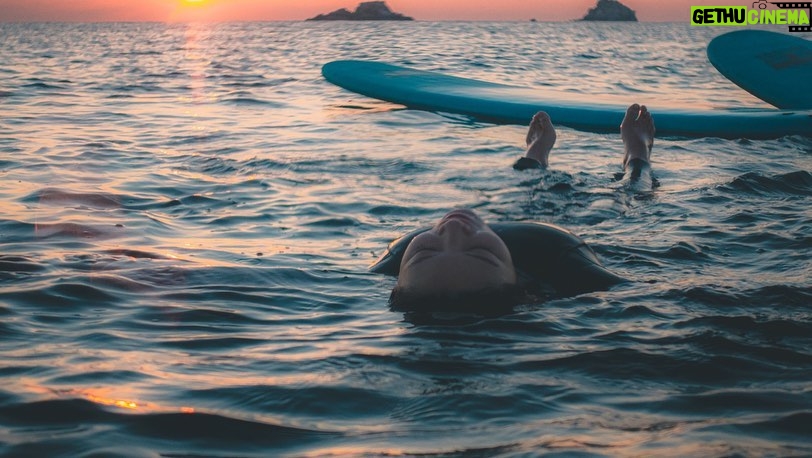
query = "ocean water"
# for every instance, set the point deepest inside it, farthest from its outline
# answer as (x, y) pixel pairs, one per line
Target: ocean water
(187, 213)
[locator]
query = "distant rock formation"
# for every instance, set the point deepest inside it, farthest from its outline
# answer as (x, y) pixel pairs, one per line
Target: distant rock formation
(610, 10)
(366, 11)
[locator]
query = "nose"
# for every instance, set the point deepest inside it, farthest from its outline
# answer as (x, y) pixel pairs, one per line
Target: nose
(455, 234)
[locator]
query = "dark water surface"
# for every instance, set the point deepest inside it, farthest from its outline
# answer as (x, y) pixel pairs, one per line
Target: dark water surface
(188, 212)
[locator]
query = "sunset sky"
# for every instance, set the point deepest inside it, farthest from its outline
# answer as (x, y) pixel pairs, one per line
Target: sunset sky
(286, 10)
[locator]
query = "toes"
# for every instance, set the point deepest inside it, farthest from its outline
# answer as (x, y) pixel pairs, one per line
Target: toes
(645, 117)
(631, 114)
(541, 118)
(632, 111)
(542, 131)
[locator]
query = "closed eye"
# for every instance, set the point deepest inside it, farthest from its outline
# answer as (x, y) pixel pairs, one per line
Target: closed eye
(428, 250)
(483, 254)
(421, 254)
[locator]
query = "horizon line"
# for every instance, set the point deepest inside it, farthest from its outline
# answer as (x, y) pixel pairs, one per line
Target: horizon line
(325, 21)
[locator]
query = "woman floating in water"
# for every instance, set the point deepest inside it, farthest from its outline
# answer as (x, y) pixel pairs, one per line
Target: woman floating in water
(464, 263)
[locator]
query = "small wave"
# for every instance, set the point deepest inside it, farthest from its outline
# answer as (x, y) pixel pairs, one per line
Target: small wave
(212, 165)
(398, 210)
(16, 231)
(793, 427)
(346, 401)
(728, 401)
(589, 56)
(6, 164)
(710, 360)
(773, 330)
(99, 377)
(662, 69)
(200, 200)
(682, 250)
(334, 222)
(224, 344)
(258, 165)
(795, 183)
(141, 53)
(252, 83)
(136, 254)
(627, 88)
(68, 294)
(19, 264)
(237, 220)
(73, 230)
(251, 101)
(127, 89)
(214, 137)
(53, 412)
(623, 363)
(217, 429)
(351, 166)
(201, 429)
(119, 96)
(624, 313)
(43, 85)
(685, 251)
(785, 295)
(195, 316)
(51, 196)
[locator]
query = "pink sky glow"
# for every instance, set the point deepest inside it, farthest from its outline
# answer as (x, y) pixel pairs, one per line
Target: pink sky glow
(294, 10)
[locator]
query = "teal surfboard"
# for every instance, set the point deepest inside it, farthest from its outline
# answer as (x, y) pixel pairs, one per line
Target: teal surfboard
(505, 104)
(775, 67)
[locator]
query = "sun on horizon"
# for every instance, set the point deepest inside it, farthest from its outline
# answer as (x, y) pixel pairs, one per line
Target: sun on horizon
(193, 10)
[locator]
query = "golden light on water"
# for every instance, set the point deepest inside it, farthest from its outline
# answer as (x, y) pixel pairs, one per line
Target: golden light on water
(104, 396)
(124, 404)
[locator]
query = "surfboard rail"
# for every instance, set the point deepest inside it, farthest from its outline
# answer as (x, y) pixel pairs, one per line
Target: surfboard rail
(505, 104)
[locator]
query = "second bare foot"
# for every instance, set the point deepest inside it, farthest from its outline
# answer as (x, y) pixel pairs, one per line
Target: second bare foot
(540, 138)
(637, 132)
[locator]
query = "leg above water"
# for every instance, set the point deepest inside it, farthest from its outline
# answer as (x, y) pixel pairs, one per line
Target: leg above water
(637, 131)
(540, 140)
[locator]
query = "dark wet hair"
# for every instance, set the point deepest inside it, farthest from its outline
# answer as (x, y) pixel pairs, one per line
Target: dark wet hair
(488, 301)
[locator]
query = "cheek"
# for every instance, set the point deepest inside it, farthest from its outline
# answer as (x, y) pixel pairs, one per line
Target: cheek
(422, 242)
(496, 246)
(407, 257)
(422, 278)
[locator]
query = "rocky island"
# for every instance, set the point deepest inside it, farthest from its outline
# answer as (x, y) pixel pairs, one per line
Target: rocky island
(610, 10)
(366, 11)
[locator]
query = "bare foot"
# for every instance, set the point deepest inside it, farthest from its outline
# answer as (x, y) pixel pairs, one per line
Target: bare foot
(637, 131)
(540, 138)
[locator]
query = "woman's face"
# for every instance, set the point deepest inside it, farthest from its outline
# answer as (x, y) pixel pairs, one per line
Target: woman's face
(459, 254)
